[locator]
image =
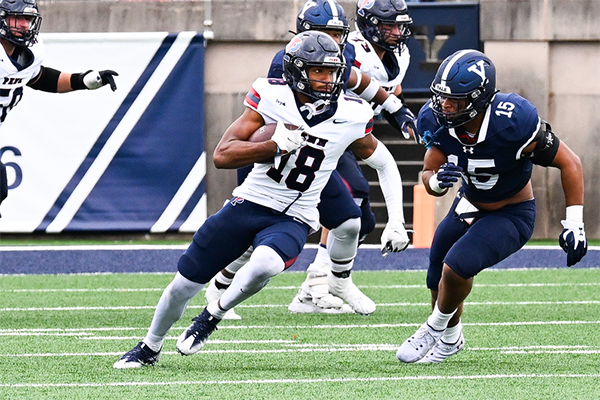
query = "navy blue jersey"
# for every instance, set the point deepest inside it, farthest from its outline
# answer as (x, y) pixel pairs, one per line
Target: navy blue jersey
(276, 68)
(494, 168)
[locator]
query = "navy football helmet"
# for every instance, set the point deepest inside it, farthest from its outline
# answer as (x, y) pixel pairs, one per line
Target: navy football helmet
(323, 14)
(313, 49)
(466, 74)
(20, 36)
(372, 14)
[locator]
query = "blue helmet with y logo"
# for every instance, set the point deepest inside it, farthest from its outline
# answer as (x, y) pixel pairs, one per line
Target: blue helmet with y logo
(323, 15)
(468, 75)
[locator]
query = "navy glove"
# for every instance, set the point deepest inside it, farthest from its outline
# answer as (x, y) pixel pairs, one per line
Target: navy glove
(573, 242)
(448, 174)
(402, 119)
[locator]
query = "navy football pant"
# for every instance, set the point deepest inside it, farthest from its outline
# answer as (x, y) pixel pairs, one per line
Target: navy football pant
(226, 235)
(469, 249)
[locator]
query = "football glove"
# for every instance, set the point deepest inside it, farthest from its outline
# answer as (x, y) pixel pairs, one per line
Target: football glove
(96, 79)
(288, 140)
(394, 238)
(448, 174)
(402, 119)
(573, 242)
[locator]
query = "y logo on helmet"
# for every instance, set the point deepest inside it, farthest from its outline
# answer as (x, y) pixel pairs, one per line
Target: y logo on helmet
(309, 4)
(294, 44)
(366, 4)
(479, 69)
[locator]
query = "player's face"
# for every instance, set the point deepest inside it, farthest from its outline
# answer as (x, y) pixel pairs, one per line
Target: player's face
(452, 106)
(321, 78)
(18, 24)
(337, 35)
(391, 33)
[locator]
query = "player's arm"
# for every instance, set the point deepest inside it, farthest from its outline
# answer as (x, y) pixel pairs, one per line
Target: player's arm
(438, 175)
(548, 151)
(235, 151)
(394, 237)
(54, 81)
(395, 112)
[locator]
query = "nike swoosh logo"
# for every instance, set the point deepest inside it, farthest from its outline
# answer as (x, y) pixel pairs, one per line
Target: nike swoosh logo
(339, 121)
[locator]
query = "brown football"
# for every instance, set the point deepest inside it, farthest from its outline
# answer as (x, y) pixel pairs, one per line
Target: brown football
(265, 132)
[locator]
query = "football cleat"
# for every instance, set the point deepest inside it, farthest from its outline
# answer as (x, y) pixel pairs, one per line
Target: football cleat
(317, 287)
(140, 356)
(213, 294)
(194, 337)
(303, 304)
(443, 350)
(345, 289)
(418, 345)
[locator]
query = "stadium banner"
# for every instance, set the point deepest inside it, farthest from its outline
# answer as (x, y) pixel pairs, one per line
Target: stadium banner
(97, 160)
(438, 30)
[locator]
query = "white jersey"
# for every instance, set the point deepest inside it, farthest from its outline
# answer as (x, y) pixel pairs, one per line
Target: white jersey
(295, 187)
(12, 80)
(369, 62)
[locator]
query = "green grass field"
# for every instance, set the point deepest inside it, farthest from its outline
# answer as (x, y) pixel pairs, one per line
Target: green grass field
(530, 334)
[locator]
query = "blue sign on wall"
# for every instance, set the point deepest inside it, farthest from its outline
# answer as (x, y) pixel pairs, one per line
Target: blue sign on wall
(439, 29)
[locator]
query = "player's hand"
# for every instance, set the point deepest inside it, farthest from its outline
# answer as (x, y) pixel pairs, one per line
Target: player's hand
(400, 117)
(448, 175)
(394, 238)
(573, 242)
(96, 79)
(288, 140)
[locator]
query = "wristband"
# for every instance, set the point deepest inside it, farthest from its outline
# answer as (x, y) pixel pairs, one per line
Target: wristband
(575, 213)
(434, 184)
(392, 104)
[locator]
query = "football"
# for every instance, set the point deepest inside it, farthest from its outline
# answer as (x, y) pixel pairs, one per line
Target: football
(265, 132)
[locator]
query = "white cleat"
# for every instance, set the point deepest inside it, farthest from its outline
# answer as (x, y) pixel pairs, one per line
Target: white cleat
(303, 304)
(345, 289)
(443, 350)
(317, 286)
(213, 294)
(418, 345)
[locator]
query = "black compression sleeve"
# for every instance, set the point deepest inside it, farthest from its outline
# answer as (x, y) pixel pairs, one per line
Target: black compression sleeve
(46, 80)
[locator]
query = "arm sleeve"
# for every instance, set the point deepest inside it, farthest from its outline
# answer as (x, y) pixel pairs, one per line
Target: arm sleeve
(46, 80)
(389, 179)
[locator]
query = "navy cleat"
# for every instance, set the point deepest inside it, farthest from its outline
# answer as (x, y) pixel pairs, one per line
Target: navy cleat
(194, 337)
(140, 356)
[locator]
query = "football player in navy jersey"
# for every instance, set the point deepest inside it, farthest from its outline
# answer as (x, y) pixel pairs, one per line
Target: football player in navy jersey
(275, 208)
(490, 142)
(346, 196)
(21, 64)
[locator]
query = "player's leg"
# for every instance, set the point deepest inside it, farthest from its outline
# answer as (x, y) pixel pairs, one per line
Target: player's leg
(489, 240)
(209, 251)
(276, 247)
(336, 207)
(217, 286)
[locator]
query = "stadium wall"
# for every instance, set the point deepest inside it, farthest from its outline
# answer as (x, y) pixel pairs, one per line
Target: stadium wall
(547, 51)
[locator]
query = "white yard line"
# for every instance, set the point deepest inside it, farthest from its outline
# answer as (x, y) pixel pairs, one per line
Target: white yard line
(309, 381)
(473, 303)
(419, 286)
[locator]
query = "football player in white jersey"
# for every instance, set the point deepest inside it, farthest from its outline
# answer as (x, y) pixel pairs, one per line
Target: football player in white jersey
(275, 208)
(338, 204)
(380, 46)
(21, 57)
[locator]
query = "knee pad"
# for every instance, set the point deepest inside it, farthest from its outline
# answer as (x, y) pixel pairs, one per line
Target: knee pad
(343, 240)
(265, 263)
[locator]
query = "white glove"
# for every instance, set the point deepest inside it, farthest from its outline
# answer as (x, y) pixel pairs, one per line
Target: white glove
(573, 242)
(394, 238)
(96, 79)
(288, 140)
